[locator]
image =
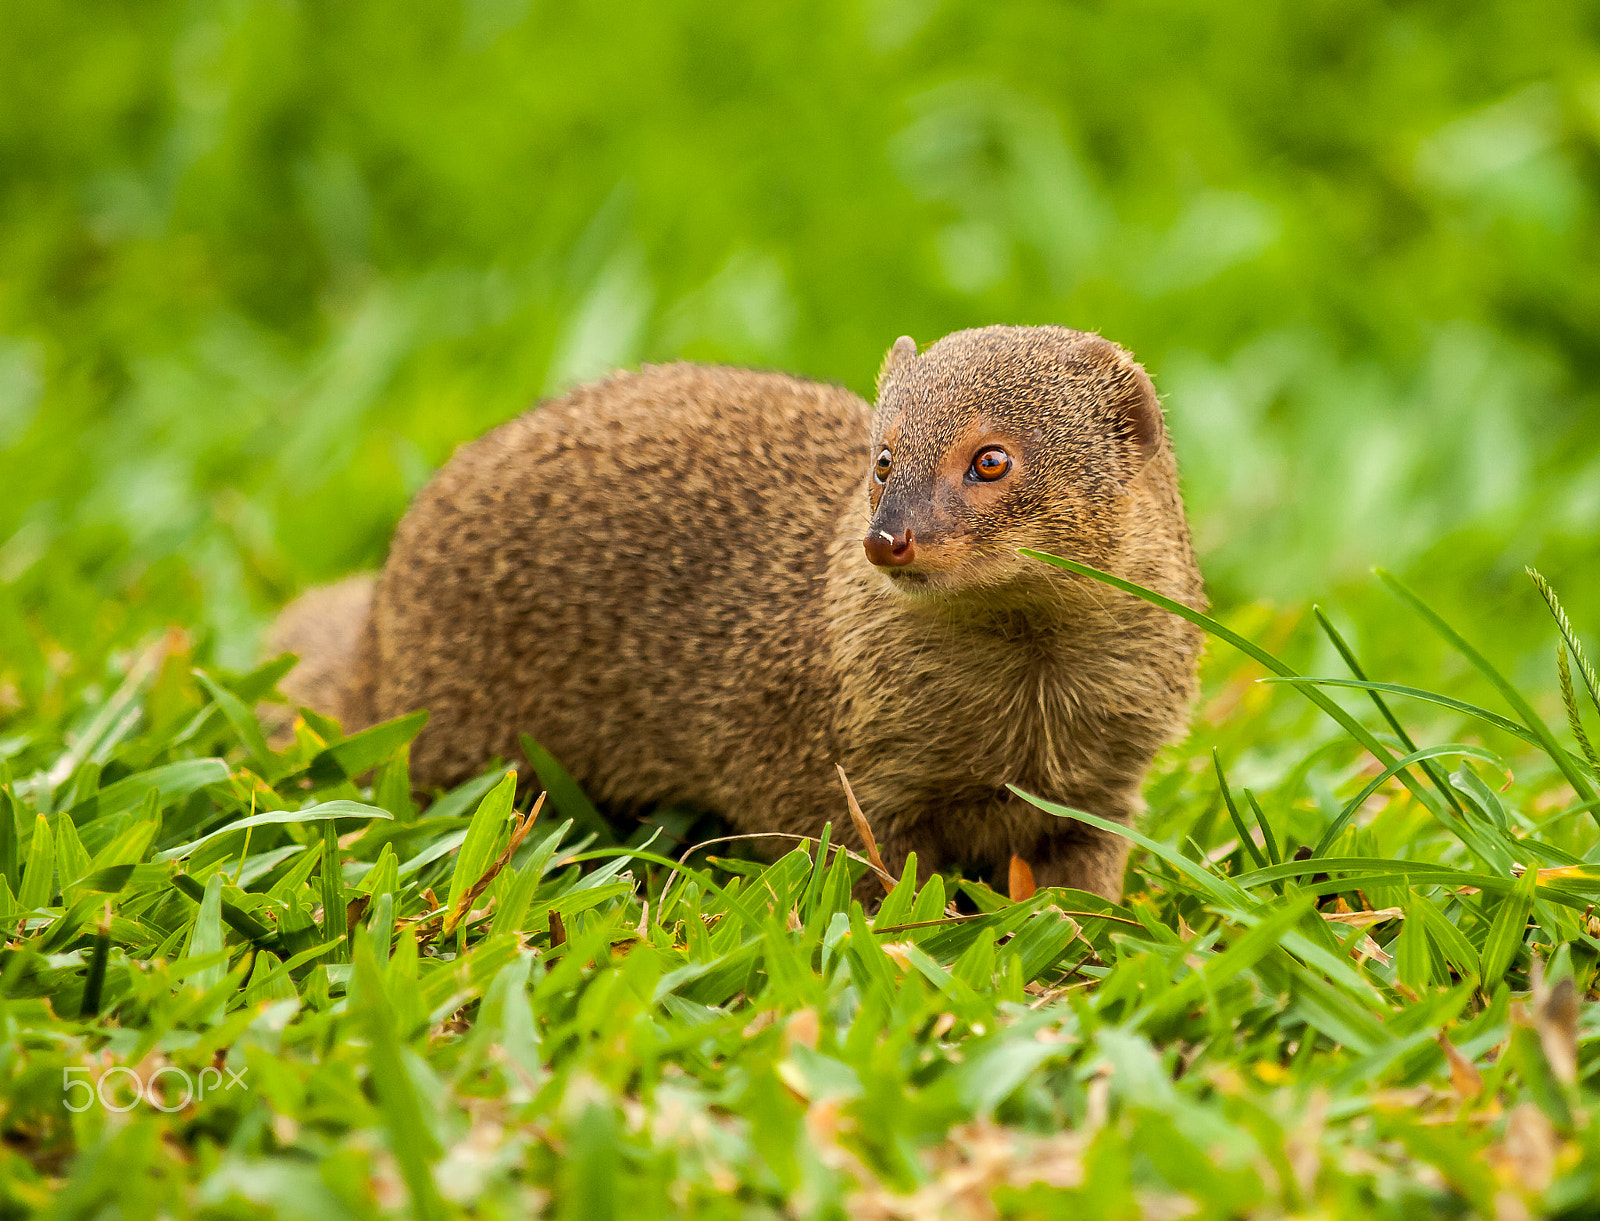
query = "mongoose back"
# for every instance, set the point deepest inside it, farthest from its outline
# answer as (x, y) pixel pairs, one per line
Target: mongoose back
(710, 585)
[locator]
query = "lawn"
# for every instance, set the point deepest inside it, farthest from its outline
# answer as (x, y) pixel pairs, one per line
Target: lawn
(264, 264)
(242, 981)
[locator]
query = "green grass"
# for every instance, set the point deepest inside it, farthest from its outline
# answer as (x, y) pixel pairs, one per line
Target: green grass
(462, 1007)
(264, 264)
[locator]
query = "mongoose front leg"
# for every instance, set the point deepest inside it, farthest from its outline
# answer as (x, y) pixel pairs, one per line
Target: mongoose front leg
(1066, 852)
(1089, 859)
(1059, 851)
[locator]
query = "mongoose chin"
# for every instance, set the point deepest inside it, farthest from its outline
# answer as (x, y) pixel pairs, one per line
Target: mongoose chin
(710, 585)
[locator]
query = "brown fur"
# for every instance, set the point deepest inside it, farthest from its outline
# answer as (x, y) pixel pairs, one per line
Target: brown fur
(661, 578)
(325, 627)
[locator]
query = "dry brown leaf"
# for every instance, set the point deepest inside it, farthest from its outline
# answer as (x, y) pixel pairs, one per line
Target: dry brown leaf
(1020, 885)
(1412, 1099)
(468, 1163)
(967, 1168)
(1527, 1154)
(897, 950)
(1363, 919)
(1097, 1108)
(864, 830)
(803, 1027)
(1368, 948)
(1509, 1207)
(1165, 1206)
(1303, 1148)
(1555, 1018)
(793, 1079)
(759, 1023)
(1584, 872)
(1464, 1076)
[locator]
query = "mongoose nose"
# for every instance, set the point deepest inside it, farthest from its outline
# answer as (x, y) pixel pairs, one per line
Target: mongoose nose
(890, 550)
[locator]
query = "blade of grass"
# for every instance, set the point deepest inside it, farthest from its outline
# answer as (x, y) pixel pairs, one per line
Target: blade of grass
(205, 938)
(461, 909)
(360, 753)
(483, 836)
(72, 862)
(819, 869)
(409, 1136)
(239, 921)
(334, 924)
(1416, 756)
(1506, 933)
(94, 981)
(172, 780)
(1382, 871)
(1249, 648)
(1431, 697)
(1349, 656)
(324, 811)
(10, 840)
(566, 795)
(1510, 694)
(733, 902)
(1220, 889)
(1245, 837)
(38, 876)
(66, 926)
(115, 717)
(1242, 954)
(130, 846)
(244, 724)
(286, 969)
(1451, 941)
(1273, 854)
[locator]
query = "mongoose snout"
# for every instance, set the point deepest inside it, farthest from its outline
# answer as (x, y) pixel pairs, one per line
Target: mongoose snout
(889, 550)
(583, 574)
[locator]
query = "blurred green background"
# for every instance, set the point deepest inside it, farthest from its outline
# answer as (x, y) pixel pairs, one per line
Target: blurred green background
(263, 264)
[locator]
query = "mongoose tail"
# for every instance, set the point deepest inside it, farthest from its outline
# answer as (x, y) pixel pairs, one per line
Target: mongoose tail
(326, 628)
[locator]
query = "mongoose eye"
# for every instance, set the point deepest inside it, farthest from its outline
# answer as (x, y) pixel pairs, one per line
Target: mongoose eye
(990, 465)
(880, 468)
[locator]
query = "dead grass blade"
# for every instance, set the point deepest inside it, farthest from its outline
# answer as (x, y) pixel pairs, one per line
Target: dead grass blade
(1464, 1076)
(464, 904)
(1364, 918)
(864, 830)
(1555, 1019)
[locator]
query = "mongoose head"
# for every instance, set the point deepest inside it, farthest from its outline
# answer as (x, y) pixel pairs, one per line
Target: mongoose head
(1001, 438)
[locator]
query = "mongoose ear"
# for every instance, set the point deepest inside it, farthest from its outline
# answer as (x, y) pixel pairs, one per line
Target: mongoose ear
(1137, 410)
(905, 348)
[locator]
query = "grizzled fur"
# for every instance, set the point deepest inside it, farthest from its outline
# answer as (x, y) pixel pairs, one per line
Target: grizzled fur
(661, 578)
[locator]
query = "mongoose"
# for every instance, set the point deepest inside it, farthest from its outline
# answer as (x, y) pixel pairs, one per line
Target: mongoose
(709, 585)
